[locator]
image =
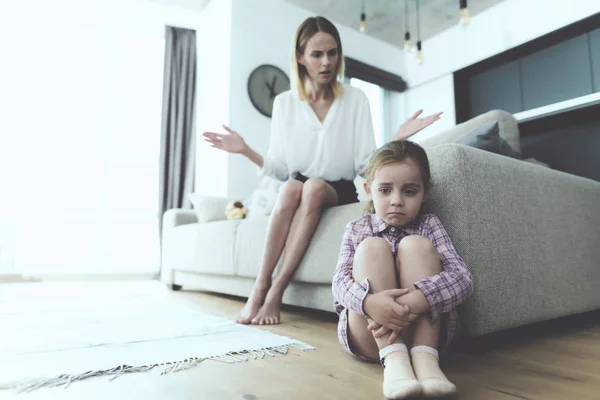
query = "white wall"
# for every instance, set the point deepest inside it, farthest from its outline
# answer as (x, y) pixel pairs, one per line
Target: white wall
(396, 112)
(437, 95)
(262, 33)
(214, 37)
(501, 27)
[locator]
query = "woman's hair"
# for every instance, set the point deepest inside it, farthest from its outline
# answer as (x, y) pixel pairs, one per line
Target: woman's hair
(397, 151)
(305, 31)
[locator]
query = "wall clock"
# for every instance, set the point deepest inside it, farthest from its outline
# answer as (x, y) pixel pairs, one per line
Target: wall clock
(264, 83)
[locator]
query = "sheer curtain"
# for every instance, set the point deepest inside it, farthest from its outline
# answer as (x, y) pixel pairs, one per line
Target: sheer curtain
(79, 145)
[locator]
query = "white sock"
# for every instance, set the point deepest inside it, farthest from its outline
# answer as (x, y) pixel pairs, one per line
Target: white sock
(425, 361)
(426, 349)
(399, 381)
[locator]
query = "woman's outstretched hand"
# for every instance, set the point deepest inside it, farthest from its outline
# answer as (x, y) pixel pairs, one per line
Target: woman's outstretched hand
(231, 142)
(414, 124)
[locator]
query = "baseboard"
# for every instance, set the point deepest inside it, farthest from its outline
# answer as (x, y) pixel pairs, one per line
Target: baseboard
(89, 277)
(16, 278)
(316, 296)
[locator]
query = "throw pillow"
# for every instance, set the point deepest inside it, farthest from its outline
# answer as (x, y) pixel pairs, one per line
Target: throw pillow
(209, 208)
(487, 137)
(263, 199)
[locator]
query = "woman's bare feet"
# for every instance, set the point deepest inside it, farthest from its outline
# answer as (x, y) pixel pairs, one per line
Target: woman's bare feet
(270, 310)
(253, 304)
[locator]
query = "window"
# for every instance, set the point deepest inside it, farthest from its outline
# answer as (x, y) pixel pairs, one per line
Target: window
(81, 147)
(376, 96)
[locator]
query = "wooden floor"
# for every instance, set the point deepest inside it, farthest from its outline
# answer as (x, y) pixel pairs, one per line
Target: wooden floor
(559, 360)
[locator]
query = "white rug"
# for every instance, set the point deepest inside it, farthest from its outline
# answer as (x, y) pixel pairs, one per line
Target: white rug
(73, 332)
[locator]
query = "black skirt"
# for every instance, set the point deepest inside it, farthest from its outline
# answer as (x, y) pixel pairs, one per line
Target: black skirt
(345, 189)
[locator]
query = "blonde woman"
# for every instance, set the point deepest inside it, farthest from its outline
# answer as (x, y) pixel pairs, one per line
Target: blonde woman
(321, 138)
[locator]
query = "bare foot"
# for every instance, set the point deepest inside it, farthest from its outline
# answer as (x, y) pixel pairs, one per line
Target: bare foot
(269, 312)
(252, 305)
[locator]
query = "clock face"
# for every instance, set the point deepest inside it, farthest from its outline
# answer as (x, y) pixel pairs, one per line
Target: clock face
(264, 83)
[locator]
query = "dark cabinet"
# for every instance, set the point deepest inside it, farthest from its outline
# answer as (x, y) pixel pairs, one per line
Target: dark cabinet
(558, 73)
(497, 88)
(595, 51)
(532, 75)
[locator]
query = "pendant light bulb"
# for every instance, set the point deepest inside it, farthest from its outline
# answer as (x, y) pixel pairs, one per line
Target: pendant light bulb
(363, 23)
(407, 42)
(420, 57)
(465, 17)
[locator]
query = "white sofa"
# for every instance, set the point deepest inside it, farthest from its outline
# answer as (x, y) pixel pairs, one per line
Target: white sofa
(530, 236)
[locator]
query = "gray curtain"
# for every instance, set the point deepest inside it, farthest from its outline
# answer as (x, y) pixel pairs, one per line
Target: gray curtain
(177, 147)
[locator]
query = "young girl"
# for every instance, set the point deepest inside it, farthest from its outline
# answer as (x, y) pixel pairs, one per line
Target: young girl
(399, 279)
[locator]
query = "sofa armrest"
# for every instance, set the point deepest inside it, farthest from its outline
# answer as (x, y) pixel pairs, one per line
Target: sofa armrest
(528, 234)
(178, 216)
(507, 124)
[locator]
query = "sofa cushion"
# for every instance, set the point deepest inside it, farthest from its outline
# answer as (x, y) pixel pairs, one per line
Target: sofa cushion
(250, 241)
(214, 247)
(487, 137)
(209, 208)
(261, 202)
(321, 257)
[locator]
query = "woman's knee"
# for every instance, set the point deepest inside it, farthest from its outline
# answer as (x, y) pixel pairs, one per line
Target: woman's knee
(314, 193)
(289, 196)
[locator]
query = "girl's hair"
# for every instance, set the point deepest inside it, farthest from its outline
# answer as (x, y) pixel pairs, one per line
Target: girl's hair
(305, 31)
(397, 151)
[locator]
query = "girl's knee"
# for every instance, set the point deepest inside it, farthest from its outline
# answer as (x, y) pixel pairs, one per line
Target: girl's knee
(416, 246)
(370, 256)
(372, 247)
(289, 196)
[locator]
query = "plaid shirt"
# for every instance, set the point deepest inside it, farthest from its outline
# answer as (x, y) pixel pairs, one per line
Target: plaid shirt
(443, 292)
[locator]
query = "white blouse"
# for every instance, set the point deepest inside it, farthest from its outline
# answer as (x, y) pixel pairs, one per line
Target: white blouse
(337, 148)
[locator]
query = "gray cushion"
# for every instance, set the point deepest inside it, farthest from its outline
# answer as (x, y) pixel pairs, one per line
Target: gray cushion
(487, 137)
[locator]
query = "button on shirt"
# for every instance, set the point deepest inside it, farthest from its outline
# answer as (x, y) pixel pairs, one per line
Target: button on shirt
(444, 292)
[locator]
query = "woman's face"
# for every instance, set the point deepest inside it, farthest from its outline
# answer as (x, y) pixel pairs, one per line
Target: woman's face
(320, 58)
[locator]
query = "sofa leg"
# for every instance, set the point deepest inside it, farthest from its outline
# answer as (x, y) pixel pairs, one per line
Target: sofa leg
(175, 287)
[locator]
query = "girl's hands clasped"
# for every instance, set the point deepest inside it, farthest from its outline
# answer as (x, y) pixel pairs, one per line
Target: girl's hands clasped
(383, 309)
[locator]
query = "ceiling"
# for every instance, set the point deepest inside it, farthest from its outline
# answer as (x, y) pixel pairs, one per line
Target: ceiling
(385, 18)
(197, 5)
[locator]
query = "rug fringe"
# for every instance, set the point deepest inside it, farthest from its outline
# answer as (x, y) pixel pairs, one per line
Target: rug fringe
(165, 368)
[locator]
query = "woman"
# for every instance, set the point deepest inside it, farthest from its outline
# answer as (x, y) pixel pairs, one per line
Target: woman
(321, 138)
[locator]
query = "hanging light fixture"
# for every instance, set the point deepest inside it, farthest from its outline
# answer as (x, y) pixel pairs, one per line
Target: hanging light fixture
(407, 42)
(465, 17)
(363, 18)
(420, 57)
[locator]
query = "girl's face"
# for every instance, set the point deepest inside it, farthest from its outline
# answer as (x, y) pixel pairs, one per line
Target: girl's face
(397, 192)
(320, 58)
